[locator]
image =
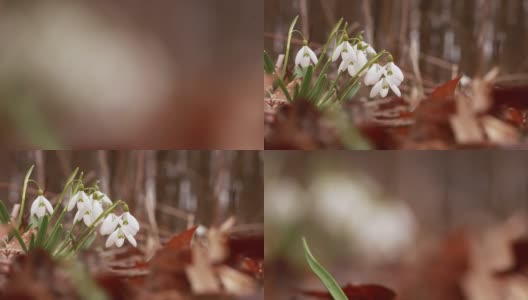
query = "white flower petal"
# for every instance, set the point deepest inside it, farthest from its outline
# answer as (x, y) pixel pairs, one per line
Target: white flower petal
(111, 239)
(373, 75)
(299, 56)
(87, 220)
(73, 200)
(120, 242)
(97, 210)
(376, 89)
(106, 200)
(47, 204)
(312, 55)
(393, 80)
(343, 66)
(106, 227)
(131, 239)
(41, 211)
(78, 216)
(397, 72)
(384, 92)
(103, 197)
(338, 51)
(35, 206)
(395, 89)
(350, 52)
(132, 221)
(371, 50)
(86, 199)
(129, 230)
(352, 70)
(361, 62)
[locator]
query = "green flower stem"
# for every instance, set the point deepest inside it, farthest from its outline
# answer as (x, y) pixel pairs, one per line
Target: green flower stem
(288, 46)
(325, 48)
(23, 203)
(61, 196)
(325, 67)
(327, 97)
(334, 83)
(69, 182)
(67, 240)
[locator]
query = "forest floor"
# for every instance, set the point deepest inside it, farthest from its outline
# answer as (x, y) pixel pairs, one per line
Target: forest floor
(220, 263)
(477, 113)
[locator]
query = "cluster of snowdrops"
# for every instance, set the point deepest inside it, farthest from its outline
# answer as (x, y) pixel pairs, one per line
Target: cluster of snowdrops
(355, 57)
(48, 226)
(359, 60)
(90, 208)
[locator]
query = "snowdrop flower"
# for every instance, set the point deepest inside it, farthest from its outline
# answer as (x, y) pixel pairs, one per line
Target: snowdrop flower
(354, 64)
(374, 74)
(365, 47)
(382, 88)
(102, 196)
(383, 78)
(89, 213)
(305, 57)
(118, 238)
(393, 73)
(109, 224)
(81, 199)
(119, 228)
(129, 223)
(345, 50)
(40, 206)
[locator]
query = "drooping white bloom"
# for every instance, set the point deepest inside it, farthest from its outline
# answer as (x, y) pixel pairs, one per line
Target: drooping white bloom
(382, 88)
(103, 197)
(354, 64)
(91, 215)
(119, 228)
(374, 74)
(393, 73)
(365, 47)
(362, 60)
(305, 57)
(81, 199)
(41, 206)
(345, 65)
(118, 238)
(110, 224)
(129, 223)
(89, 212)
(384, 78)
(345, 50)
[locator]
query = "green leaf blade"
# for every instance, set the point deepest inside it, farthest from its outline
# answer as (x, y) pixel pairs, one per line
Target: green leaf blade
(4, 214)
(24, 189)
(20, 240)
(307, 80)
(327, 279)
(353, 91)
(269, 68)
(41, 234)
(288, 46)
(53, 240)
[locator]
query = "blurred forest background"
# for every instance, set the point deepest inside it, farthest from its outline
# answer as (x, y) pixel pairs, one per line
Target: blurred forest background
(105, 75)
(182, 188)
(444, 189)
(448, 36)
(370, 215)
